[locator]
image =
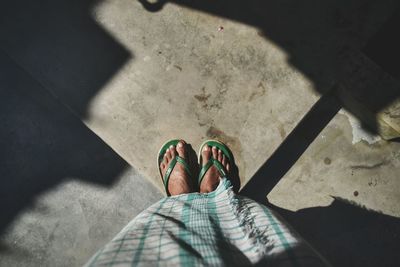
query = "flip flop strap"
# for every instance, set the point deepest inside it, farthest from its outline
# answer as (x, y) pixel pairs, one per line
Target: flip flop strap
(171, 167)
(205, 168)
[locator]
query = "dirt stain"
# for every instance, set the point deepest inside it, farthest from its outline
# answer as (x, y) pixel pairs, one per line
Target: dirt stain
(373, 182)
(282, 131)
(261, 33)
(203, 119)
(260, 91)
(203, 97)
(232, 142)
(369, 167)
(178, 67)
(327, 161)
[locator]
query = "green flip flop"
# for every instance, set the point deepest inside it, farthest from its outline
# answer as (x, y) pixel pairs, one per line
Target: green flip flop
(172, 164)
(221, 169)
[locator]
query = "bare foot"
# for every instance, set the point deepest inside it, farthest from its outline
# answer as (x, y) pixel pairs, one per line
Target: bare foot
(179, 180)
(211, 177)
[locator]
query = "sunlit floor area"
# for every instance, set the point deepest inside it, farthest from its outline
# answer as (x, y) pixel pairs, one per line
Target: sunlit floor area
(90, 90)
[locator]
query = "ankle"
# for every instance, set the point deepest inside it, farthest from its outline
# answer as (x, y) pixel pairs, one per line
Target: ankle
(209, 186)
(179, 187)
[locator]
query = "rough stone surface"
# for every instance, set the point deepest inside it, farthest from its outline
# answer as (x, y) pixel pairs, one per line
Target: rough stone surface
(245, 72)
(333, 167)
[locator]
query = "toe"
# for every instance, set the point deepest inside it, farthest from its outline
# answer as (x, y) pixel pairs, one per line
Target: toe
(168, 155)
(228, 167)
(214, 152)
(220, 155)
(180, 148)
(224, 161)
(165, 157)
(206, 154)
(162, 165)
(173, 151)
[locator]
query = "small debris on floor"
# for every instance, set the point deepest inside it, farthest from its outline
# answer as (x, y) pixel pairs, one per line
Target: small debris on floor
(220, 28)
(178, 67)
(327, 161)
(355, 193)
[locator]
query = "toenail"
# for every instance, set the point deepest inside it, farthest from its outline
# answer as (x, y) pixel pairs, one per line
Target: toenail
(180, 144)
(206, 148)
(171, 146)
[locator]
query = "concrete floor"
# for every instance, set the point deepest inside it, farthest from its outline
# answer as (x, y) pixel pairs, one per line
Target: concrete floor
(64, 193)
(258, 76)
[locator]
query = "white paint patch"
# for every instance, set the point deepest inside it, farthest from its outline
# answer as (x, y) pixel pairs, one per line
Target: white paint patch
(146, 58)
(359, 133)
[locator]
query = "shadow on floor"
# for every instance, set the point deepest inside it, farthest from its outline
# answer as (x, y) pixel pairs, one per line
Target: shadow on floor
(294, 145)
(316, 36)
(42, 143)
(63, 47)
(345, 233)
(348, 235)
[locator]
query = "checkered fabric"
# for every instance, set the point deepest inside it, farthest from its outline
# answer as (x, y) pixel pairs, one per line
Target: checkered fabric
(214, 229)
